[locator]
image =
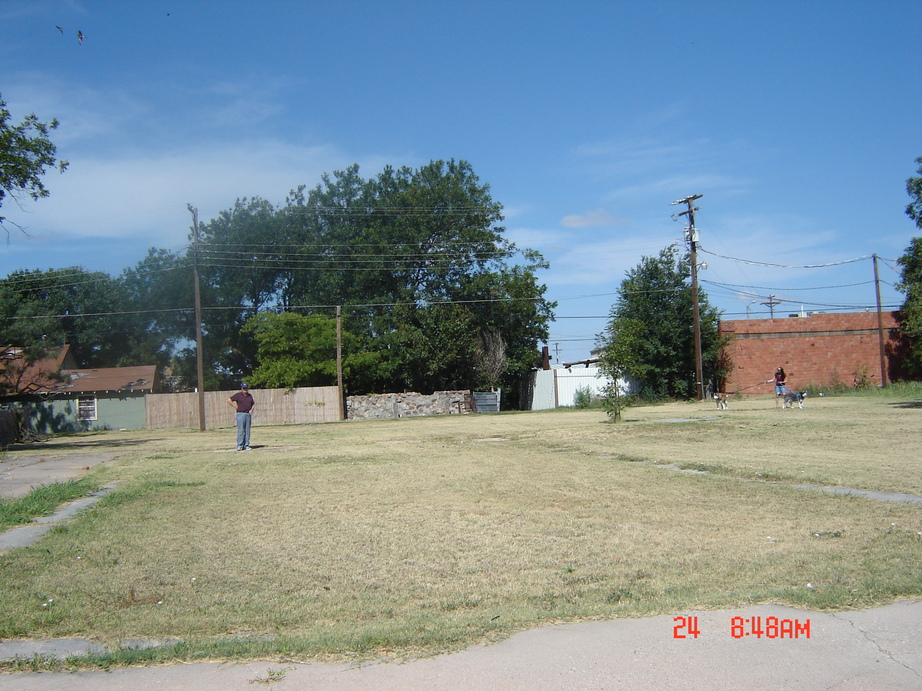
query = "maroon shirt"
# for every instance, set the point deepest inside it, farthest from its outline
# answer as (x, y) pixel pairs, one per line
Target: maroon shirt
(244, 401)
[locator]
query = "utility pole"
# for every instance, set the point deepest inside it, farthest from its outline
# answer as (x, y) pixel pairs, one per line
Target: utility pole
(339, 362)
(199, 366)
(771, 305)
(880, 328)
(691, 235)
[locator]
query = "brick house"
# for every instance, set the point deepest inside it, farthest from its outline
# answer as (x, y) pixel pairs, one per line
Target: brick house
(816, 349)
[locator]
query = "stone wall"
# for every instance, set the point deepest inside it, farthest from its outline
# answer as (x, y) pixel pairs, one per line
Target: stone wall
(391, 405)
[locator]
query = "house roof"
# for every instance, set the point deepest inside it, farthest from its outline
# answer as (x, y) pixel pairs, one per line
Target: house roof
(38, 377)
(59, 374)
(127, 379)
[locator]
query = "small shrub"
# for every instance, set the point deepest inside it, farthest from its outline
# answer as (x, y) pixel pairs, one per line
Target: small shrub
(836, 385)
(614, 401)
(862, 380)
(583, 397)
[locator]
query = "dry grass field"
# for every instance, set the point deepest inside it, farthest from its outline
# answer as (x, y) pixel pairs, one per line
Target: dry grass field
(413, 536)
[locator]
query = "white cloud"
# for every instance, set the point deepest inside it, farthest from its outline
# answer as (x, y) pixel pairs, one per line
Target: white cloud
(146, 196)
(591, 219)
(599, 259)
(676, 187)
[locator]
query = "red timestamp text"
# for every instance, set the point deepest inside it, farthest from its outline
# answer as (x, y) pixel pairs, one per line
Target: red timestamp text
(743, 627)
(772, 627)
(686, 627)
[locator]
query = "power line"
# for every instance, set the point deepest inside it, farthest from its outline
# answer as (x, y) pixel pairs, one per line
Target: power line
(785, 266)
(736, 285)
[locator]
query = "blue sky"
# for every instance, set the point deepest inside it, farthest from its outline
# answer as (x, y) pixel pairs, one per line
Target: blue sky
(797, 121)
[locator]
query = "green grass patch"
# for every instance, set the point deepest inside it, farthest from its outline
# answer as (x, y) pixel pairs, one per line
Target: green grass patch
(900, 389)
(42, 501)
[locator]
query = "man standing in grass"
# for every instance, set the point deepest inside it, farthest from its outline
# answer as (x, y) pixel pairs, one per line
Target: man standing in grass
(243, 403)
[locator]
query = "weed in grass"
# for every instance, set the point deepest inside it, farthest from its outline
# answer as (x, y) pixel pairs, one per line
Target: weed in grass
(272, 676)
(705, 468)
(173, 483)
(616, 596)
(770, 477)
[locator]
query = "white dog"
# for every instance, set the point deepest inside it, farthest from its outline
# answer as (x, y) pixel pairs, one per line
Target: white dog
(722, 400)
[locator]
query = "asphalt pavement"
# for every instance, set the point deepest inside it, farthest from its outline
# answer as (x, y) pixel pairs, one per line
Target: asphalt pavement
(870, 649)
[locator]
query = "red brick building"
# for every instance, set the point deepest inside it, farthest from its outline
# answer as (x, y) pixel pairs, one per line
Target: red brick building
(815, 349)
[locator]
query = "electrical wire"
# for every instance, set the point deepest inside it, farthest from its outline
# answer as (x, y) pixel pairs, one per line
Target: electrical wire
(786, 266)
(736, 285)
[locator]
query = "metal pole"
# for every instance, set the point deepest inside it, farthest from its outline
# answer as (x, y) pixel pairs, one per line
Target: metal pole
(880, 328)
(199, 350)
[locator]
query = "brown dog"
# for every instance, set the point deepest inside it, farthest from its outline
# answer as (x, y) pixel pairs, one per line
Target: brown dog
(722, 400)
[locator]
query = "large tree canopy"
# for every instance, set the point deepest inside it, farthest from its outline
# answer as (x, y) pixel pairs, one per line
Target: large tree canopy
(432, 295)
(650, 332)
(25, 153)
(416, 258)
(911, 282)
(43, 310)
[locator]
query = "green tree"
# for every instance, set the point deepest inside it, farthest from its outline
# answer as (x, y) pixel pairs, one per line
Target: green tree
(620, 357)
(910, 283)
(239, 260)
(416, 258)
(650, 331)
(85, 309)
(25, 153)
(300, 350)
(159, 292)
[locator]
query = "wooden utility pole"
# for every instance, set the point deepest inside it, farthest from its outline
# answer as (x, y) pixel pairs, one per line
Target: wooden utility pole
(771, 305)
(880, 327)
(339, 363)
(691, 234)
(199, 366)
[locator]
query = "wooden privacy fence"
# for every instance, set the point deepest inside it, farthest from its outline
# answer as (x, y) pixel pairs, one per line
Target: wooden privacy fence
(273, 407)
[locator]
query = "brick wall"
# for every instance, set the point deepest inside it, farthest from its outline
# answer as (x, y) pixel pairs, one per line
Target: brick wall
(812, 350)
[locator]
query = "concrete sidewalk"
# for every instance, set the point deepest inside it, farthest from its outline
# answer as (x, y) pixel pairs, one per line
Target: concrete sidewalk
(19, 475)
(872, 649)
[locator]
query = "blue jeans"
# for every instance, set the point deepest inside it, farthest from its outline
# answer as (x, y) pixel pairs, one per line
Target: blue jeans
(243, 430)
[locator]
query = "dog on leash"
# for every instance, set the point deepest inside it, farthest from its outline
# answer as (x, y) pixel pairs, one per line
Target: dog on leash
(722, 400)
(792, 397)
